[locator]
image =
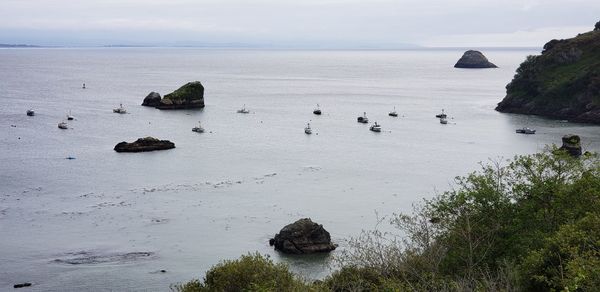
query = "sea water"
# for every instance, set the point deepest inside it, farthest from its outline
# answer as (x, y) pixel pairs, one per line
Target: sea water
(109, 221)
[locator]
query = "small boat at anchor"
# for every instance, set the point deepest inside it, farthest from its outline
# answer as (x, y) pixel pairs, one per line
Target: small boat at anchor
(63, 125)
(317, 110)
(30, 113)
(70, 117)
(243, 110)
(442, 115)
(198, 129)
(393, 113)
(525, 130)
(120, 109)
(443, 121)
(308, 129)
(363, 119)
(375, 127)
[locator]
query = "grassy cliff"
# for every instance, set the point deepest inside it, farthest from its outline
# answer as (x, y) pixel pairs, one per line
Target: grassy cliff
(563, 82)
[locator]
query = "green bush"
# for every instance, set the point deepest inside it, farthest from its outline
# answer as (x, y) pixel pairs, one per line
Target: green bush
(252, 272)
(569, 259)
(532, 223)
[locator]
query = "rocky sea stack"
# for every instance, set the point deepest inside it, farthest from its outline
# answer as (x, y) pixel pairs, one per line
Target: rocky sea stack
(152, 99)
(561, 83)
(189, 96)
(303, 237)
(144, 144)
(571, 144)
(474, 60)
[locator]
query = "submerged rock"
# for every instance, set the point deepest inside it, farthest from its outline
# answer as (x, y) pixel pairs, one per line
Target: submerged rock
(474, 59)
(152, 99)
(188, 96)
(303, 237)
(571, 144)
(144, 144)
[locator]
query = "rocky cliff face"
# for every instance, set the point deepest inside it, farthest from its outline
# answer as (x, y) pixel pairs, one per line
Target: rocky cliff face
(474, 60)
(562, 83)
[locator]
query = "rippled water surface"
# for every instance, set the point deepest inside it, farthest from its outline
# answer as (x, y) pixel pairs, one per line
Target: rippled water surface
(113, 221)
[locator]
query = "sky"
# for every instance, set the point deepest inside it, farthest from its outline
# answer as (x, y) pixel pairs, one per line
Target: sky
(295, 23)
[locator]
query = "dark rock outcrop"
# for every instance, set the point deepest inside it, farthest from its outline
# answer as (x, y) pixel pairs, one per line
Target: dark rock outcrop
(561, 83)
(189, 96)
(571, 144)
(21, 285)
(474, 60)
(144, 144)
(152, 99)
(303, 237)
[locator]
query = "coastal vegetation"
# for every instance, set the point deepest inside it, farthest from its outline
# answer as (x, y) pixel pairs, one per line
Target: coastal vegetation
(531, 223)
(563, 82)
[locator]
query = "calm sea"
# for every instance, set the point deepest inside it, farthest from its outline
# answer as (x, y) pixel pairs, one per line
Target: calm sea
(107, 221)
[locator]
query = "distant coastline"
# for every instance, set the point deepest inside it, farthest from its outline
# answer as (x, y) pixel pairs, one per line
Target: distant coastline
(18, 46)
(268, 47)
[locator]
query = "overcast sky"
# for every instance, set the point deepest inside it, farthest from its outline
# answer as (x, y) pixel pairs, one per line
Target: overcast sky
(300, 23)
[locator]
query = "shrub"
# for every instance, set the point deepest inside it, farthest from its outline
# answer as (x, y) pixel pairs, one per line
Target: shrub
(252, 272)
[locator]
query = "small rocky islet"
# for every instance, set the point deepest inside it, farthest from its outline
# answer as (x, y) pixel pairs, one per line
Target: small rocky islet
(472, 59)
(188, 96)
(303, 237)
(561, 83)
(144, 145)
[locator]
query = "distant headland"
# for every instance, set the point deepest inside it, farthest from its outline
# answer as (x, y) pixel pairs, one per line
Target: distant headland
(18, 46)
(561, 83)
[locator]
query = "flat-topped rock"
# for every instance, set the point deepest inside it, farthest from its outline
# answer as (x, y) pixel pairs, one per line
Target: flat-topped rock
(303, 237)
(188, 96)
(144, 144)
(474, 60)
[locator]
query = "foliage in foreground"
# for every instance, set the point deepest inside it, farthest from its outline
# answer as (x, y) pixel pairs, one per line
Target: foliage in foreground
(532, 225)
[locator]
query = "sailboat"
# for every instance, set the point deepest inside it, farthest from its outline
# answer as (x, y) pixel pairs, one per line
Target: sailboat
(363, 119)
(69, 116)
(393, 113)
(442, 115)
(443, 121)
(120, 109)
(317, 110)
(375, 127)
(243, 110)
(198, 129)
(307, 129)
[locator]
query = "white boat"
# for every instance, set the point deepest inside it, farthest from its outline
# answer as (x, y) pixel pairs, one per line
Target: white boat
(525, 130)
(375, 127)
(83, 86)
(317, 110)
(308, 130)
(243, 110)
(63, 125)
(198, 129)
(120, 109)
(442, 115)
(363, 119)
(30, 113)
(393, 113)
(443, 120)
(70, 117)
